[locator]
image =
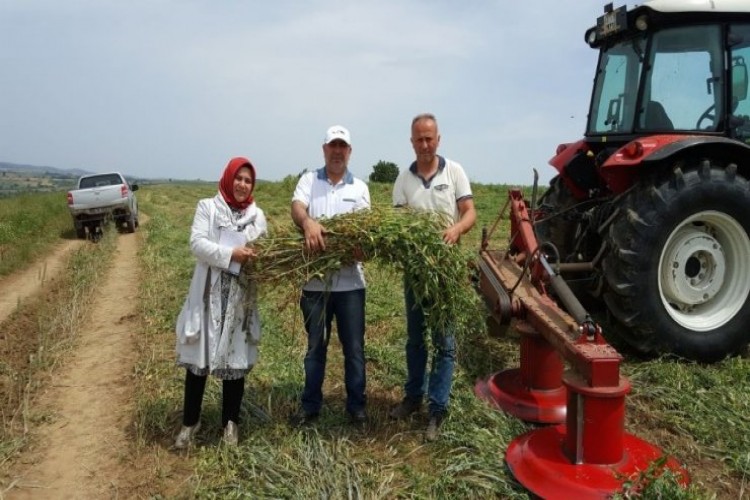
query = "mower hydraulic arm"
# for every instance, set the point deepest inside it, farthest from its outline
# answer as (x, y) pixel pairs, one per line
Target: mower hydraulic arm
(515, 285)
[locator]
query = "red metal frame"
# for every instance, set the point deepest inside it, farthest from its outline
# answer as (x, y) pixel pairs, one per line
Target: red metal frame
(590, 455)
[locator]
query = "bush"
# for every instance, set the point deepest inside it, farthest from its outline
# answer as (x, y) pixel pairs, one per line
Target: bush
(384, 171)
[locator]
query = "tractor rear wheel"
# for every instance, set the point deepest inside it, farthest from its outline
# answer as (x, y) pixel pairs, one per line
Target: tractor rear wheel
(679, 264)
(556, 226)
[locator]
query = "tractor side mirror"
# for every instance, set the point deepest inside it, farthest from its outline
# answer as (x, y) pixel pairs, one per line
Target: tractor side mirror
(739, 78)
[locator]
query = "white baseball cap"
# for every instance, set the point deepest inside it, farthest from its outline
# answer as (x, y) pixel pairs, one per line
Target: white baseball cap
(337, 132)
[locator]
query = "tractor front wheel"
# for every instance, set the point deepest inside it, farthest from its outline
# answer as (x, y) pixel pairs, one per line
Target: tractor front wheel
(678, 270)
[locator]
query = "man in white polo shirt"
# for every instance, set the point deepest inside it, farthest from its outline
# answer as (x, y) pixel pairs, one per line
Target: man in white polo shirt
(325, 192)
(435, 184)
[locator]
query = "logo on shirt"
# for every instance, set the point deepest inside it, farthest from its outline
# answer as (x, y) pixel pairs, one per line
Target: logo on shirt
(441, 187)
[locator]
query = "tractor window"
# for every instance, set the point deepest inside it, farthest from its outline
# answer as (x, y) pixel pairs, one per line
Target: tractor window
(616, 87)
(683, 84)
(739, 121)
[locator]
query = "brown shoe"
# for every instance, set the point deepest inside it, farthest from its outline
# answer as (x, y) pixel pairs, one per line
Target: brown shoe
(358, 417)
(433, 428)
(302, 418)
(405, 408)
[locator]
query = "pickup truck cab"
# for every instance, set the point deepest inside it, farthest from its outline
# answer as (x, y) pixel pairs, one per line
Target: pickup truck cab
(100, 197)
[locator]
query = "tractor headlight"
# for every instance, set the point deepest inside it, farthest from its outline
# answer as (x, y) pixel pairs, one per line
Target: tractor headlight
(591, 36)
(641, 23)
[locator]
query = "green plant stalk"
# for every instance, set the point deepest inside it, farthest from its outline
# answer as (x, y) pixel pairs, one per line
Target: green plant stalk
(410, 241)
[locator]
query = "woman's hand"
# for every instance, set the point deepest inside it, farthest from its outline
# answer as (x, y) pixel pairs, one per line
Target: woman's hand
(243, 254)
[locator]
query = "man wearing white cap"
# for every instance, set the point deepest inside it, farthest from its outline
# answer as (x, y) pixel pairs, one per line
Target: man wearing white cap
(325, 192)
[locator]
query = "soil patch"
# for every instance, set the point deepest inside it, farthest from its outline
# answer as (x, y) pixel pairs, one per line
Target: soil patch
(82, 451)
(19, 286)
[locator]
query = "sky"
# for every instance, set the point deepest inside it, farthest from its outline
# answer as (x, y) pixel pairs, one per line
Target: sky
(174, 89)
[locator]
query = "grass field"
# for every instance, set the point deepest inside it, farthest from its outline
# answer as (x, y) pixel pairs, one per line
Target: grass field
(699, 414)
(682, 407)
(30, 225)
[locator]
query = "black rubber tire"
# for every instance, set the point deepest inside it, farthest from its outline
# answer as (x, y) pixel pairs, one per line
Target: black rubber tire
(130, 222)
(677, 267)
(556, 228)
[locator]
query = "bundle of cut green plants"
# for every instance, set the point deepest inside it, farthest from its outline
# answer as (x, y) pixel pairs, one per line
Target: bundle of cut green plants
(409, 240)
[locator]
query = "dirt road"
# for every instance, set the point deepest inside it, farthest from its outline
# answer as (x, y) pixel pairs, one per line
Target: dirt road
(18, 287)
(79, 452)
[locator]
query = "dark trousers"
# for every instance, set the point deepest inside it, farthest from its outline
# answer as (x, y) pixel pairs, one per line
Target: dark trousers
(437, 383)
(195, 386)
(318, 310)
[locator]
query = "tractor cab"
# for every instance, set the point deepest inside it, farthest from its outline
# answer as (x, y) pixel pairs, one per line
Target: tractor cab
(666, 71)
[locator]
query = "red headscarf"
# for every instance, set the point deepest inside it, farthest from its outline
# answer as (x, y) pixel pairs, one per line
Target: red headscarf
(226, 183)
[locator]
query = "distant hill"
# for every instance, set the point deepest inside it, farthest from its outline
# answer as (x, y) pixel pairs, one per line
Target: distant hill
(17, 178)
(35, 169)
(63, 173)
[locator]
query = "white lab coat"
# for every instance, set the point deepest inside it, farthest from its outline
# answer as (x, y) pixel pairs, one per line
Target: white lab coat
(200, 339)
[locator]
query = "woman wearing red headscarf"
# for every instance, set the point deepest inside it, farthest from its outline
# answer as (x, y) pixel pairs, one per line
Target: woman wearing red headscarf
(218, 328)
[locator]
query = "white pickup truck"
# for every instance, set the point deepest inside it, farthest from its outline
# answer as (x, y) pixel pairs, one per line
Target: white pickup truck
(100, 197)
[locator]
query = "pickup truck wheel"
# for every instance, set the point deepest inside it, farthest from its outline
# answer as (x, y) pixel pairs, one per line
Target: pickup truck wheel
(677, 272)
(131, 223)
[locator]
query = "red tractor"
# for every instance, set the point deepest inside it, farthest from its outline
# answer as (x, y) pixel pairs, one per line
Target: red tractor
(649, 214)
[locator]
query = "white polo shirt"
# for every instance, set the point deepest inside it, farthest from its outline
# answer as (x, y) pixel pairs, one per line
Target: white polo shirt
(441, 193)
(324, 199)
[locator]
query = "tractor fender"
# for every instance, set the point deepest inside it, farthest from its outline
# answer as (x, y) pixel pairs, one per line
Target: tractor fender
(566, 152)
(576, 179)
(657, 148)
(626, 165)
(724, 146)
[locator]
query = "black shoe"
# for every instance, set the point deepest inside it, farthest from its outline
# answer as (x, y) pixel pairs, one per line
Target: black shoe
(405, 408)
(302, 418)
(433, 428)
(358, 417)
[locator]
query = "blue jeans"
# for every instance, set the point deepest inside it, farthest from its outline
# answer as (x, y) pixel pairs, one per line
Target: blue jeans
(438, 384)
(318, 311)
